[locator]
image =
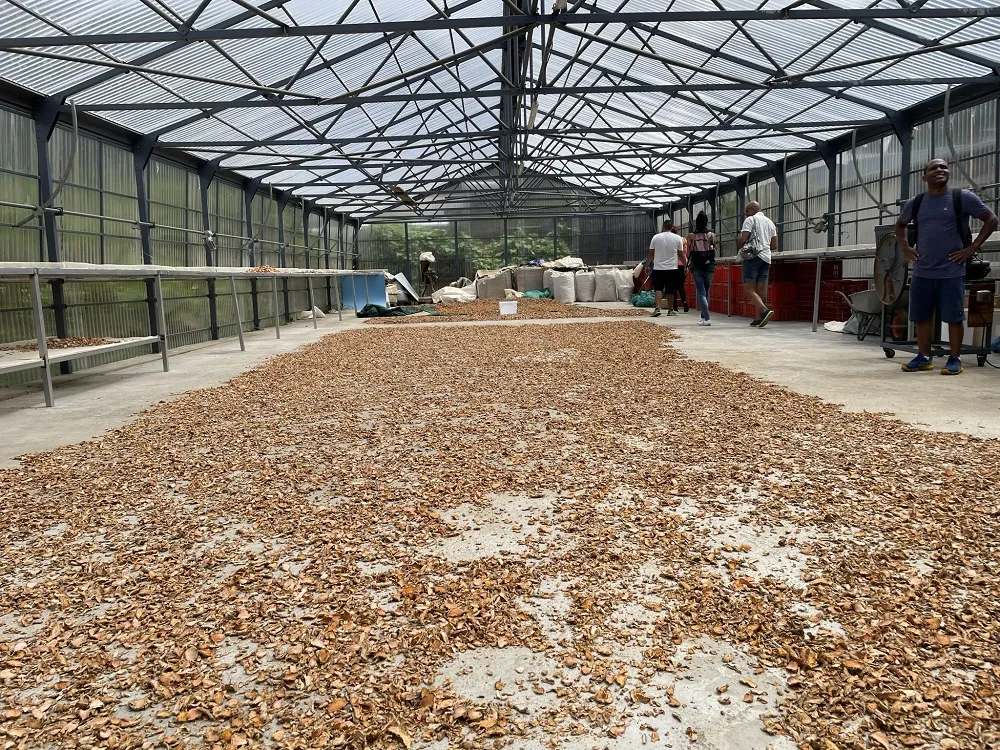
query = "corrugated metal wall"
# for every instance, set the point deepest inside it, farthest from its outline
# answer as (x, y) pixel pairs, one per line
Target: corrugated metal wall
(100, 180)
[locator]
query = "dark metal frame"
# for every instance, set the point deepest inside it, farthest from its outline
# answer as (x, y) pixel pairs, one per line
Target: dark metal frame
(578, 139)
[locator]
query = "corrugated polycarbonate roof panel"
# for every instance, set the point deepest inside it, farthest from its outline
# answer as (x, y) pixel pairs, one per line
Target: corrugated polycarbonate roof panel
(397, 63)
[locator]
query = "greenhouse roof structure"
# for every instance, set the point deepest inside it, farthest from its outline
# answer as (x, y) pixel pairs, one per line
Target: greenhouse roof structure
(367, 106)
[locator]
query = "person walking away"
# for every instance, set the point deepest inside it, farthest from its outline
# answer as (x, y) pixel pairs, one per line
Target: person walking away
(758, 239)
(682, 269)
(664, 251)
(701, 261)
(943, 243)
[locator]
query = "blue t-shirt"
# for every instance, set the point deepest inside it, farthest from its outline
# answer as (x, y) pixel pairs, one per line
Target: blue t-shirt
(937, 233)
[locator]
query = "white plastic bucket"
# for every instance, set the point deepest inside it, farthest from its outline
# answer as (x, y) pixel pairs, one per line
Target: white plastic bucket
(508, 307)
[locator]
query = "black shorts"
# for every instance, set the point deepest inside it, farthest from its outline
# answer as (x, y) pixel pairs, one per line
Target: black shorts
(667, 281)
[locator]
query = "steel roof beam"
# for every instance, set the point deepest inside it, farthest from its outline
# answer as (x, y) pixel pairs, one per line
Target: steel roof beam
(718, 52)
(177, 43)
(224, 31)
(350, 101)
(491, 133)
(327, 64)
(265, 90)
(704, 152)
(575, 175)
(891, 58)
(922, 41)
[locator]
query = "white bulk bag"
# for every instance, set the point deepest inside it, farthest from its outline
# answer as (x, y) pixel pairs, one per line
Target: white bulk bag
(530, 278)
(547, 280)
(624, 285)
(585, 284)
(605, 285)
(563, 286)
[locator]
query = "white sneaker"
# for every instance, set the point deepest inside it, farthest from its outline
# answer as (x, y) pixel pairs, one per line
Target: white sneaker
(671, 312)
(704, 322)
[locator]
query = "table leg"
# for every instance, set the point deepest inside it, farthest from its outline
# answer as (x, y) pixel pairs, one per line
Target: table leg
(277, 318)
(336, 297)
(236, 312)
(816, 291)
(161, 314)
(43, 343)
(312, 302)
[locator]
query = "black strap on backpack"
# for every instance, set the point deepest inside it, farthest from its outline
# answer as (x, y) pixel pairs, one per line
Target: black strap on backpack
(956, 201)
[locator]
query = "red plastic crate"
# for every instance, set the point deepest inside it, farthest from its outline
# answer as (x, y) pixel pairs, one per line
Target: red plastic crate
(806, 271)
(783, 292)
(782, 272)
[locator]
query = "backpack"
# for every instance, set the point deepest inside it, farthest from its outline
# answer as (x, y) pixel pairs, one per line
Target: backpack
(702, 253)
(956, 201)
(975, 267)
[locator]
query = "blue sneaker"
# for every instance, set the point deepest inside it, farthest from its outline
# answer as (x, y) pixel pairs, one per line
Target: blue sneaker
(918, 364)
(952, 367)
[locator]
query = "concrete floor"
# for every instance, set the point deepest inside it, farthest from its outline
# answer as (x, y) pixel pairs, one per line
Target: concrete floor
(832, 366)
(841, 370)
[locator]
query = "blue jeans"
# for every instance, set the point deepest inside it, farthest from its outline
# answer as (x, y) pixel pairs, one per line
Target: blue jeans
(702, 282)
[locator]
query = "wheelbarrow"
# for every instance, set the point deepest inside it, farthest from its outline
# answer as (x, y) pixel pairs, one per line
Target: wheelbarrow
(867, 308)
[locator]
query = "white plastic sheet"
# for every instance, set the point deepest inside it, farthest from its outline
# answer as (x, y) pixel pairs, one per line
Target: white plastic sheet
(566, 261)
(454, 294)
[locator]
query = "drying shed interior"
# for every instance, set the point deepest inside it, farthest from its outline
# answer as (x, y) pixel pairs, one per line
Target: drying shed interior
(252, 518)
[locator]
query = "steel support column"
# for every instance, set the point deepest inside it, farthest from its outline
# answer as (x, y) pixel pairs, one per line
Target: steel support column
(902, 126)
(141, 152)
(406, 250)
(713, 209)
(506, 242)
(45, 116)
(830, 158)
(326, 257)
(356, 261)
(741, 197)
(306, 207)
(778, 171)
(206, 173)
(249, 191)
(341, 253)
(283, 254)
(607, 240)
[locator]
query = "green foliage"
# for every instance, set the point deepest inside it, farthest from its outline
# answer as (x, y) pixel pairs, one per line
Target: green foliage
(384, 246)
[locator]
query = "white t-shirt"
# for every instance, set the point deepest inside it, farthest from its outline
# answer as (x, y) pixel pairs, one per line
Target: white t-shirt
(765, 231)
(665, 246)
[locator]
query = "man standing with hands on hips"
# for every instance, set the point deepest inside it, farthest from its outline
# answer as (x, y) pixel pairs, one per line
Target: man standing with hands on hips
(943, 243)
